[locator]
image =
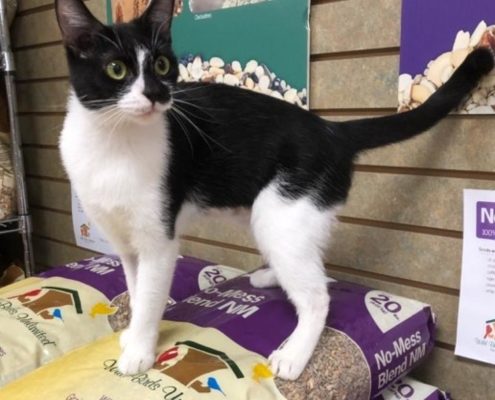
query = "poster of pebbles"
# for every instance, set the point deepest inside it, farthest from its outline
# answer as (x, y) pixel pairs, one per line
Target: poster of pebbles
(262, 45)
(436, 37)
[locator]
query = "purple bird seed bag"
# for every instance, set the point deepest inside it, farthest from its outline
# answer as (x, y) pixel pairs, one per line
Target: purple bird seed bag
(381, 336)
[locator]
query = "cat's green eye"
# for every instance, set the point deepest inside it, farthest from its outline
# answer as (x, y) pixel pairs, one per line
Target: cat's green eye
(162, 66)
(116, 69)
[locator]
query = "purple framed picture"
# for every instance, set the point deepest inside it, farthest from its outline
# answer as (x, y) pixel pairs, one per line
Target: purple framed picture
(436, 37)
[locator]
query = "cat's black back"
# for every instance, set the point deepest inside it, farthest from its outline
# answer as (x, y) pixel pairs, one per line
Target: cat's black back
(229, 143)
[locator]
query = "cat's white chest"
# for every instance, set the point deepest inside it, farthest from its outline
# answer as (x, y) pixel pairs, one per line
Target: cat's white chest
(114, 168)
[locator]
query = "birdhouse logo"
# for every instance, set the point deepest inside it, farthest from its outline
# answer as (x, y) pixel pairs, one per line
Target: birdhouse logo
(194, 365)
(48, 301)
(85, 231)
(489, 329)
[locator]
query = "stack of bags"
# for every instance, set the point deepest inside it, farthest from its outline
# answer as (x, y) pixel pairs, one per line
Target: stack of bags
(215, 338)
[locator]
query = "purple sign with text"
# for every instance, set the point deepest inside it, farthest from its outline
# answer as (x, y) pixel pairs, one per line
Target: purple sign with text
(436, 37)
(485, 220)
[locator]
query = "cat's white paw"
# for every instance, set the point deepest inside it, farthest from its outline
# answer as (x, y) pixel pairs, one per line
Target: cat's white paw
(136, 359)
(287, 364)
(138, 353)
(263, 278)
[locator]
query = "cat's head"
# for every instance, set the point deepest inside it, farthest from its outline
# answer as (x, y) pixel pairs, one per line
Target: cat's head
(125, 71)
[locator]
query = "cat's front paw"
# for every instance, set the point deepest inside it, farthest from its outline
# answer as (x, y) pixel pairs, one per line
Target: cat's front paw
(287, 364)
(137, 355)
(124, 338)
(135, 360)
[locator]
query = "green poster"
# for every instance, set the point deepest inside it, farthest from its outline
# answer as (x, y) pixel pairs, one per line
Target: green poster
(261, 45)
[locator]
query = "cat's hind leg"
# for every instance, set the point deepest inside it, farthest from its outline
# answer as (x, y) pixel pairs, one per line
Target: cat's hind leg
(291, 235)
(264, 278)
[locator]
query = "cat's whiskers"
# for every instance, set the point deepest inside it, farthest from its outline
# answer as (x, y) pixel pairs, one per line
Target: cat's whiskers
(188, 120)
(201, 108)
(118, 118)
(108, 115)
(187, 90)
(202, 133)
(108, 39)
(155, 34)
(105, 120)
(101, 103)
(118, 38)
(185, 121)
(106, 110)
(110, 99)
(183, 127)
(56, 128)
(121, 121)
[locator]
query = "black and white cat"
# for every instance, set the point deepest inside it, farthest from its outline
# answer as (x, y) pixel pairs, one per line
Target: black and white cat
(145, 153)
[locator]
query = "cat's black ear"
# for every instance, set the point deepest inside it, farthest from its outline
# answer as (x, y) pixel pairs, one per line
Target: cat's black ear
(76, 23)
(159, 14)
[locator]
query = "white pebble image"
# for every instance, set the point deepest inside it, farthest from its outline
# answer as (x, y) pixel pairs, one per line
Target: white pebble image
(414, 91)
(254, 75)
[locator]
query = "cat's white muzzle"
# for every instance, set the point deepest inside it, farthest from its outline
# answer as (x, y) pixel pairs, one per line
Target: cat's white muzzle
(143, 111)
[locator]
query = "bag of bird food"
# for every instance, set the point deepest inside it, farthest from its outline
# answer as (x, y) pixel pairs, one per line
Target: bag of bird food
(215, 345)
(44, 317)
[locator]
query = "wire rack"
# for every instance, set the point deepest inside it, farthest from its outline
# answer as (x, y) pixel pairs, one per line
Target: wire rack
(22, 222)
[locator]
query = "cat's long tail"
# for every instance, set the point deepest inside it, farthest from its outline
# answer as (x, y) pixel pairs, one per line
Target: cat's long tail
(375, 132)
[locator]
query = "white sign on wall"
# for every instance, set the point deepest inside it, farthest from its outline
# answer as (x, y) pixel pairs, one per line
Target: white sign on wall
(86, 233)
(476, 321)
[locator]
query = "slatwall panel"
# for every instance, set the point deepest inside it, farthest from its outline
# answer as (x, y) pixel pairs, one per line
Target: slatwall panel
(42, 90)
(401, 229)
